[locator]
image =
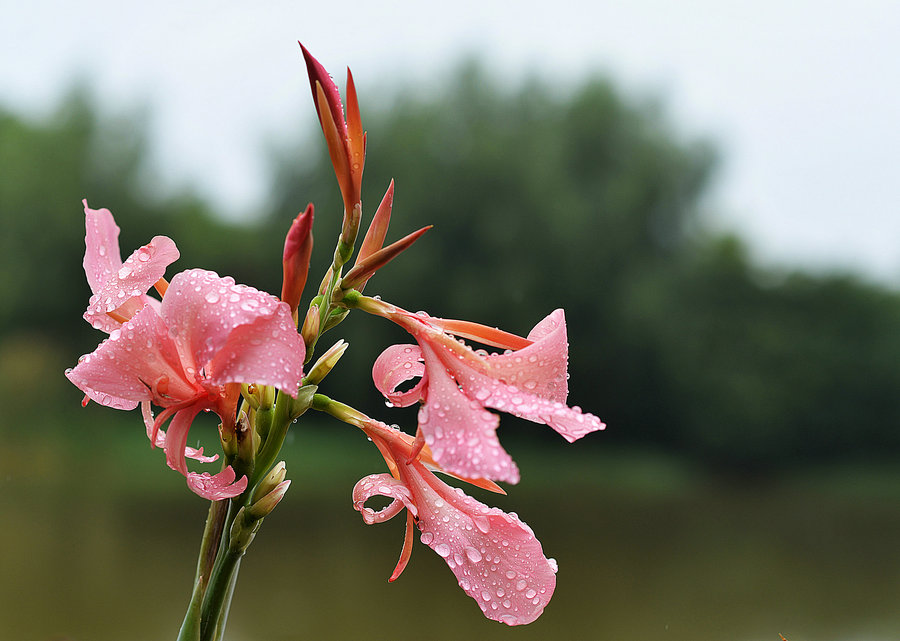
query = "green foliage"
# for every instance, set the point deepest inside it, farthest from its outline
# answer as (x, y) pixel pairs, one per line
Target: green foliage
(540, 199)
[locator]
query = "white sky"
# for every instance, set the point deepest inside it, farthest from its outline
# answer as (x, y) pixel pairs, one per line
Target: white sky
(803, 97)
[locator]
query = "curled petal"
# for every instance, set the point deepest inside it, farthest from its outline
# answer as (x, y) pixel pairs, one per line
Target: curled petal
(216, 487)
(381, 485)
(395, 366)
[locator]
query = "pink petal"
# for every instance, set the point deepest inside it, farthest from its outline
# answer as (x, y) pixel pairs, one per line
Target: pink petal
(160, 439)
(268, 351)
(176, 437)
(101, 243)
(462, 435)
(124, 291)
(381, 485)
(136, 359)
(495, 557)
(540, 368)
(205, 311)
(395, 366)
(218, 487)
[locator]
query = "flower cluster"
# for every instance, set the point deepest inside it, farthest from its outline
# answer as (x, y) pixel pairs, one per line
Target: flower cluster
(208, 344)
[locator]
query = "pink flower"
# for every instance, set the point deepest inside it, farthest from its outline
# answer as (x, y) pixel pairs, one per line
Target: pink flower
(208, 334)
(495, 557)
(458, 383)
(120, 289)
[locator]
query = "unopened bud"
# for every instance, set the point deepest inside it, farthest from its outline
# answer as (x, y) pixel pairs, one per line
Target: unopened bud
(264, 506)
(298, 246)
(326, 363)
(267, 484)
(242, 530)
(311, 326)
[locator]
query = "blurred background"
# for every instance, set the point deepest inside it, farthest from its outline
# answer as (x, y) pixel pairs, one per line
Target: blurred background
(711, 194)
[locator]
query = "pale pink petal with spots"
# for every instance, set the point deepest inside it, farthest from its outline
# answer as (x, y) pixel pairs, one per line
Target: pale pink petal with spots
(397, 365)
(124, 292)
(462, 435)
(136, 363)
(101, 246)
(216, 487)
(267, 351)
(540, 368)
(203, 309)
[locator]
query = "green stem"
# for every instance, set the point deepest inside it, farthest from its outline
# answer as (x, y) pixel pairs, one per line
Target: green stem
(209, 544)
(220, 585)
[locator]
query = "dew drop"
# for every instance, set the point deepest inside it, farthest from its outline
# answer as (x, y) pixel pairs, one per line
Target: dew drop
(442, 549)
(474, 555)
(427, 538)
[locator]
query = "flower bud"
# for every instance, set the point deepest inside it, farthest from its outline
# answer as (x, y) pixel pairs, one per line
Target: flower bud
(326, 363)
(298, 246)
(267, 484)
(311, 327)
(264, 506)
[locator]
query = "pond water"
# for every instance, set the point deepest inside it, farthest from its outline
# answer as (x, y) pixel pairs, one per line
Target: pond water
(88, 555)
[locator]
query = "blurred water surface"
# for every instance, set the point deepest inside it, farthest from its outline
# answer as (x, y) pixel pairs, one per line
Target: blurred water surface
(98, 547)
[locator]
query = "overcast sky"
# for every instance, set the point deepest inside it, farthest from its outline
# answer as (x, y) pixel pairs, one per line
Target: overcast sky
(802, 97)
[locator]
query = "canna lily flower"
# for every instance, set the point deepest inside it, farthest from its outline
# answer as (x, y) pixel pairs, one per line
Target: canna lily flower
(495, 557)
(458, 384)
(344, 136)
(208, 336)
(119, 289)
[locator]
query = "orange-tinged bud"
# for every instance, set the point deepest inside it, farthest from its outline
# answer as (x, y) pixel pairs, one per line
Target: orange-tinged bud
(297, 249)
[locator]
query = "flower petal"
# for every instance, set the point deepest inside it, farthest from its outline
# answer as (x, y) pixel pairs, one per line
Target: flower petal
(381, 485)
(160, 439)
(101, 246)
(133, 365)
(395, 366)
(462, 435)
(495, 557)
(268, 351)
(206, 312)
(124, 291)
(216, 487)
(539, 368)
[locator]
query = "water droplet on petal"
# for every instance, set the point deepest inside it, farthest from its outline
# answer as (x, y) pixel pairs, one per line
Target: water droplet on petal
(474, 555)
